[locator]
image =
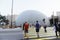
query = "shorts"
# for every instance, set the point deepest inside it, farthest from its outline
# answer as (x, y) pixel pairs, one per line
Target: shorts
(37, 30)
(26, 31)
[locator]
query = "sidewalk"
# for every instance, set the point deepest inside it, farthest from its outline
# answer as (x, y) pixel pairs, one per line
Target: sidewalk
(50, 35)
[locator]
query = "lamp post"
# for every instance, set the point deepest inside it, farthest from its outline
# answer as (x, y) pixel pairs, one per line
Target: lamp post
(11, 12)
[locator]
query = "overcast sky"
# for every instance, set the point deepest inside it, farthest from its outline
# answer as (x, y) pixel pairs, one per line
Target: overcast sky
(45, 6)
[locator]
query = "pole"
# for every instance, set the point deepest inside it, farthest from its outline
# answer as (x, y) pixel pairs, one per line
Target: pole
(53, 17)
(11, 12)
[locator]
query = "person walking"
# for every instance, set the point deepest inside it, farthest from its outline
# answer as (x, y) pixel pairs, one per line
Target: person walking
(56, 26)
(45, 26)
(37, 28)
(26, 27)
(59, 27)
(56, 29)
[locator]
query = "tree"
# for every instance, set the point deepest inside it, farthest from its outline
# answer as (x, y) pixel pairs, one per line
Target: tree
(3, 20)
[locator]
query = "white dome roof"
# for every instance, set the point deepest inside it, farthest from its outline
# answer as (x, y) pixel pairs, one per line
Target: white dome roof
(31, 16)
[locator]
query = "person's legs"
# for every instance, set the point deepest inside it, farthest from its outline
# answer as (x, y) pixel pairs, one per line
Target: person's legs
(45, 29)
(56, 33)
(59, 30)
(38, 34)
(59, 33)
(37, 30)
(25, 33)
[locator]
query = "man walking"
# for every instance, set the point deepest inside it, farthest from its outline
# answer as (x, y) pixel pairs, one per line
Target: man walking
(44, 26)
(26, 27)
(37, 28)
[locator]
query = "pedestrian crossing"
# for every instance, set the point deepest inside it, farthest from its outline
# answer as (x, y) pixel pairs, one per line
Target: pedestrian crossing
(43, 36)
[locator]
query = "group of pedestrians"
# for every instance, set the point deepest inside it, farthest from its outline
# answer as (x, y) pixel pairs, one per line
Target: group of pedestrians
(37, 27)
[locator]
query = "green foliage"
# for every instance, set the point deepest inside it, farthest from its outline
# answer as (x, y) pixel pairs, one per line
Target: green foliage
(3, 19)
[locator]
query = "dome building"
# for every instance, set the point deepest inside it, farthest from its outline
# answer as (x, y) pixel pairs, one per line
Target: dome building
(31, 16)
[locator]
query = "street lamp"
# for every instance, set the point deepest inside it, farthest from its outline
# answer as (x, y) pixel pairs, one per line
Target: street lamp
(11, 12)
